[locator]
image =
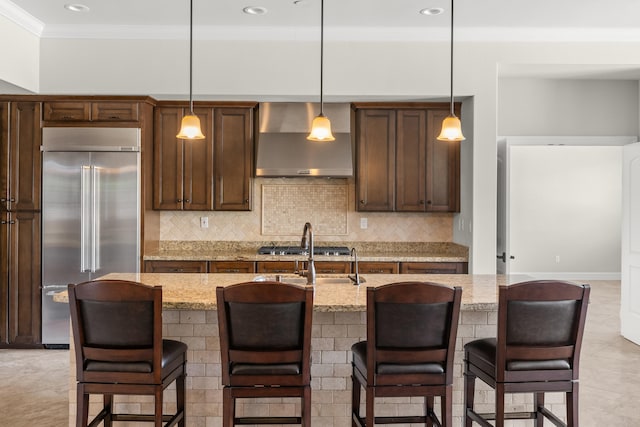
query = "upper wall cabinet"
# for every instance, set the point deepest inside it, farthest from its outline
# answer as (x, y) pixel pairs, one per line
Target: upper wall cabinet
(210, 174)
(401, 166)
(85, 111)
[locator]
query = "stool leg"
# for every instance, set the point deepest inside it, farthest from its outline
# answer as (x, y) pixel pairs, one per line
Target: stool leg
(499, 405)
(469, 394)
(82, 410)
(447, 407)
(157, 413)
(180, 399)
(370, 402)
(228, 408)
(572, 406)
(306, 407)
(428, 400)
(538, 402)
(107, 400)
(355, 401)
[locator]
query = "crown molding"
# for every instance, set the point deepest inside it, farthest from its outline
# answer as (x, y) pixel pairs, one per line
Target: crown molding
(21, 18)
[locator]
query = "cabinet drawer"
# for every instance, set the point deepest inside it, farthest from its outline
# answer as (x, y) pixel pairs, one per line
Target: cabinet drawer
(371, 267)
(114, 111)
(232, 267)
(433, 268)
(332, 267)
(275, 266)
(66, 111)
(175, 266)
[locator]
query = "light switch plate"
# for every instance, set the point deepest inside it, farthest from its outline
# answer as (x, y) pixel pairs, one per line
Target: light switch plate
(204, 222)
(363, 223)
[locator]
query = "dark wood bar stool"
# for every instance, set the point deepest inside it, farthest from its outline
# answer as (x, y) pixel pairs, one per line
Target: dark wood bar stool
(265, 345)
(537, 350)
(117, 334)
(411, 335)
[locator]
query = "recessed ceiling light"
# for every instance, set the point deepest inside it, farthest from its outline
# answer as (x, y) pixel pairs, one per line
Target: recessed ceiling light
(76, 7)
(432, 11)
(255, 10)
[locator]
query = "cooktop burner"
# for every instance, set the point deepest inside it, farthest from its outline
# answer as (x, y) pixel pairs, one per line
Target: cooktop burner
(297, 250)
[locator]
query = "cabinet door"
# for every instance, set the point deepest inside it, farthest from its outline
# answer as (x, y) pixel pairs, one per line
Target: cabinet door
(167, 159)
(21, 278)
(411, 146)
(332, 267)
(67, 111)
(114, 111)
(443, 168)
(21, 164)
(233, 158)
(232, 267)
(275, 266)
(198, 166)
(433, 268)
(175, 266)
(373, 267)
(375, 138)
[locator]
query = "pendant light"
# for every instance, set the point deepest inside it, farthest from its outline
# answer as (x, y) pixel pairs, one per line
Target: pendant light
(190, 127)
(321, 126)
(451, 126)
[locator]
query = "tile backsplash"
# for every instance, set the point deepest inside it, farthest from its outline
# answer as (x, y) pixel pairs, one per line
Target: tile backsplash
(281, 206)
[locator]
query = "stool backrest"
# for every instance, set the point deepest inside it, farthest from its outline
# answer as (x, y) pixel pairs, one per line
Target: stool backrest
(265, 323)
(412, 323)
(115, 323)
(540, 320)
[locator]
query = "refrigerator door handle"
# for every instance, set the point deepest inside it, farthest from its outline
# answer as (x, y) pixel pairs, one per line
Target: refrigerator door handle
(85, 218)
(95, 223)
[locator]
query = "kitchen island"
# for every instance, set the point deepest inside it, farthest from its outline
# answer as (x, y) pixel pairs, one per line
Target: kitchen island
(189, 315)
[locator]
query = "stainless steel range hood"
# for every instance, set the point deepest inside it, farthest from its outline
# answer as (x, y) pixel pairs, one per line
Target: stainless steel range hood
(284, 151)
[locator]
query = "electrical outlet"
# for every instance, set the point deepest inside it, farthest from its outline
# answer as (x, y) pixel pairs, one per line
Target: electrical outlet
(558, 259)
(363, 223)
(204, 222)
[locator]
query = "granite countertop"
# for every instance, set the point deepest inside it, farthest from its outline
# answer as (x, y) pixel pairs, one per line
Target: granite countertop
(367, 251)
(196, 291)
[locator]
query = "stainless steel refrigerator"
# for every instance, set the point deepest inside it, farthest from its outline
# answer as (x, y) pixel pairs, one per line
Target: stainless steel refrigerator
(90, 213)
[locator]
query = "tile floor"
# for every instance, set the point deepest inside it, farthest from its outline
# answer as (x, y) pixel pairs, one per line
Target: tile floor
(34, 383)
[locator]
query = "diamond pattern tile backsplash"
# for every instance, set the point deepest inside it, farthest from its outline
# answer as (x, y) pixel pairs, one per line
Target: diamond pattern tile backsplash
(281, 206)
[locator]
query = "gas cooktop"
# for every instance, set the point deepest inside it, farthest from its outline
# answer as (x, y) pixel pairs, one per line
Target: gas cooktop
(297, 250)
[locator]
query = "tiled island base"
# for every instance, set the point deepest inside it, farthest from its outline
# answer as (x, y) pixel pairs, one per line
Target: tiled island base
(333, 335)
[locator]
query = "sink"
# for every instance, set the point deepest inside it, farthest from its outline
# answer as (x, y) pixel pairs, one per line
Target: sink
(345, 280)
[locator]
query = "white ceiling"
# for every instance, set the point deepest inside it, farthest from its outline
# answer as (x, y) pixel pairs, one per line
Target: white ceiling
(475, 20)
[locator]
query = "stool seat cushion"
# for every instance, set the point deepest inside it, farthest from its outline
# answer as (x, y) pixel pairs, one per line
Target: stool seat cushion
(265, 369)
(359, 350)
(485, 349)
(171, 350)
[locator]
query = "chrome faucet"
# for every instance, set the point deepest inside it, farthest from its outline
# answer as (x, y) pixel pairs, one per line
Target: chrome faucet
(356, 278)
(307, 243)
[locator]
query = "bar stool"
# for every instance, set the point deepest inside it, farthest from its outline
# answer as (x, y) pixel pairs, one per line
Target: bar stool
(537, 350)
(411, 335)
(117, 334)
(265, 346)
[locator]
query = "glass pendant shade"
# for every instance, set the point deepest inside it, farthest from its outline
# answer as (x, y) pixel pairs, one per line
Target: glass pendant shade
(321, 129)
(190, 128)
(451, 129)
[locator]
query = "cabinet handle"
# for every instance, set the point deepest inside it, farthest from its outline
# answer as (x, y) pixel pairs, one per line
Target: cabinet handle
(179, 200)
(422, 202)
(10, 199)
(363, 202)
(67, 117)
(246, 200)
(114, 117)
(187, 201)
(428, 202)
(7, 222)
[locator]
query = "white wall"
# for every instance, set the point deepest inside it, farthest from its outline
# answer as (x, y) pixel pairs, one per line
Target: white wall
(261, 70)
(19, 58)
(565, 210)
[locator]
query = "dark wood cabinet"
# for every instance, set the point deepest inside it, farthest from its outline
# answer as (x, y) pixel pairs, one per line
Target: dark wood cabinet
(183, 169)
(433, 268)
(271, 267)
(90, 111)
(232, 267)
(175, 266)
(209, 174)
(374, 267)
(375, 159)
(332, 267)
(233, 154)
(401, 166)
(20, 233)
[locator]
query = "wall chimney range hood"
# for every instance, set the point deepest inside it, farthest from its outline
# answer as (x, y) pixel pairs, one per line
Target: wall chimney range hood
(284, 151)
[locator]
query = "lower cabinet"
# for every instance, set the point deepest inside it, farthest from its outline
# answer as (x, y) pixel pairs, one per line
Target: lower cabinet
(175, 266)
(374, 267)
(276, 266)
(232, 267)
(332, 267)
(433, 267)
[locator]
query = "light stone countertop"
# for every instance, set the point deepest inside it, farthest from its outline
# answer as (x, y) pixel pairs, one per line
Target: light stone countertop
(196, 291)
(367, 251)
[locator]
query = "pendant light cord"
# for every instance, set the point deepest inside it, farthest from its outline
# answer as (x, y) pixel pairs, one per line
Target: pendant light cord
(191, 57)
(451, 63)
(321, 54)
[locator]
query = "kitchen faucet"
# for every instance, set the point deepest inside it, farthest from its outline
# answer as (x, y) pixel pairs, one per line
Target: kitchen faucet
(356, 277)
(310, 272)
